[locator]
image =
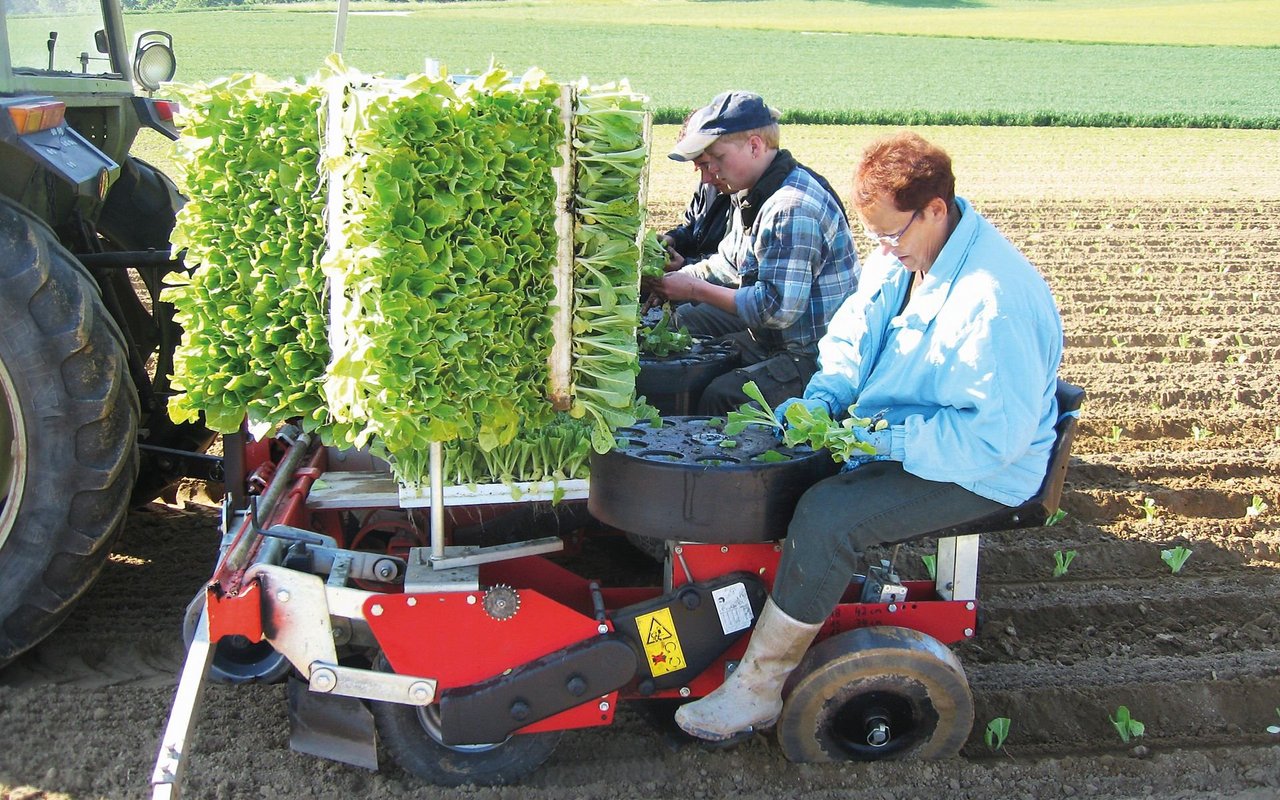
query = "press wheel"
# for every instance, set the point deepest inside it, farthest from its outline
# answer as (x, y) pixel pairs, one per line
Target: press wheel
(874, 693)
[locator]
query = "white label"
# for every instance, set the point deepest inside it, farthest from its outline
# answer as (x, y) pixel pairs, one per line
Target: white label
(734, 608)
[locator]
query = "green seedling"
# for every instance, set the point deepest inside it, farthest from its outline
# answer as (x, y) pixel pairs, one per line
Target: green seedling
(1149, 509)
(1256, 507)
(1126, 726)
(1200, 434)
(1055, 518)
(997, 731)
(931, 564)
(728, 444)
(1175, 558)
(1062, 561)
(1114, 437)
(1274, 729)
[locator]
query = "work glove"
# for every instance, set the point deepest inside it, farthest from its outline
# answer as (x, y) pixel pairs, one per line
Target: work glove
(780, 413)
(880, 440)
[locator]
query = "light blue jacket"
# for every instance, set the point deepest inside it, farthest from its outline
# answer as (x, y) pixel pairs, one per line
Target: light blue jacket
(965, 375)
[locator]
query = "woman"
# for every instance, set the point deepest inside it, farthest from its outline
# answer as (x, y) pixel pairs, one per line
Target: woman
(953, 337)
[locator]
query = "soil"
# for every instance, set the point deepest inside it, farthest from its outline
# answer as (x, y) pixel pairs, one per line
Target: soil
(1169, 313)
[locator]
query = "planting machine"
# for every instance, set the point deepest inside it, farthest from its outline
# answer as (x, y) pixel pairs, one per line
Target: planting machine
(466, 660)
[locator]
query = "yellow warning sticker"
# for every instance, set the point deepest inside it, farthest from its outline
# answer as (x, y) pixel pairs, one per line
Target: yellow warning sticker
(661, 644)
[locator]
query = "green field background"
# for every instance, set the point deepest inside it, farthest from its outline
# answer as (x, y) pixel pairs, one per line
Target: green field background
(811, 75)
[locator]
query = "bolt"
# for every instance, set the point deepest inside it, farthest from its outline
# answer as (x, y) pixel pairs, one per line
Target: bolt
(968, 632)
(762, 570)
(411, 602)
(323, 679)
(969, 606)
(724, 549)
(385, 569)
(420, 692)
(893, 608)
(684, 691)
(375, 610)
(679, 550)
(283, 595)
(604, 705)
(602, 628)
(471, 600)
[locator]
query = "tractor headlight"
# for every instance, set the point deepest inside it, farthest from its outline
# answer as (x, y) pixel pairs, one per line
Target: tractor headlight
(153, 59)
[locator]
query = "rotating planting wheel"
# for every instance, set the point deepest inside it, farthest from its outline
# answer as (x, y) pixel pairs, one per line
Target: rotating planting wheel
(673, 384)
(873, 693)
(412, 735)
(686, 479)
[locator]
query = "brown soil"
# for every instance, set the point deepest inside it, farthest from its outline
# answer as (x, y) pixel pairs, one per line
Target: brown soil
(1169, 311)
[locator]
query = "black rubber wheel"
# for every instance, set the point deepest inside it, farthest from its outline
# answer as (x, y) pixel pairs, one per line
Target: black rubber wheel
(680, 481)
(68, 423)
(876, 693)
(138, 215)
(236, 659)
(411, 735)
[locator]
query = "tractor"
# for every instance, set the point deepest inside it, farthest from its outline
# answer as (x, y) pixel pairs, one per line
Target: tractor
(86, 347)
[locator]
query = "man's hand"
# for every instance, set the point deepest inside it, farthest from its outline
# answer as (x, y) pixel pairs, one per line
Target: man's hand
(679, 286)
(674, 260)
(881, 440)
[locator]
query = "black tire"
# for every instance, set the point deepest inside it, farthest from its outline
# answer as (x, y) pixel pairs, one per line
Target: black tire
(68, 424)
(679, 481)
(138, 215)
(411, 735)
(849, 684)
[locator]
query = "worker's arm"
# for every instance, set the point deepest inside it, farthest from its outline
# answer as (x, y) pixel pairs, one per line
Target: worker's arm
(682, 286)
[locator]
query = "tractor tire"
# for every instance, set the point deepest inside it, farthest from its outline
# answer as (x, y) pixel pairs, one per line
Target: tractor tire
(138, 215)
(876, 693)
(411, 735)
(68, 425)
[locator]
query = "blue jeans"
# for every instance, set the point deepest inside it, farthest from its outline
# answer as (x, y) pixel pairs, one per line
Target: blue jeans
(839, 517)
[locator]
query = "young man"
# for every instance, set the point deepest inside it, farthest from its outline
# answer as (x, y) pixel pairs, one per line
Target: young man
(785, 265)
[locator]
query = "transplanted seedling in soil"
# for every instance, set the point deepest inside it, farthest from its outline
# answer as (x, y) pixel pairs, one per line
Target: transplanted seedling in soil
(1055, 518)
(1274, 729)
(1126, 726)
(1175, 558)
(1062, 561)
(931, 564)
(997, 731)
(1149, 509)
(1256, 507)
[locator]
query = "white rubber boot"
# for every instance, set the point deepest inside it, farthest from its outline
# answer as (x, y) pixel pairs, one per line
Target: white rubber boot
(751, 699)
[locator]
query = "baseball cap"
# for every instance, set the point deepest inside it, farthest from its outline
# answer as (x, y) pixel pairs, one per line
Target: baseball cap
(729, 112)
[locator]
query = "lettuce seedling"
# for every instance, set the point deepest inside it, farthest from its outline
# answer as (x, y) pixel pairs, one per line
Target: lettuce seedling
(1126, 725)
(997, 731)
(1055, 518)
(931, 564)
(1062, 561)
(1175, 558)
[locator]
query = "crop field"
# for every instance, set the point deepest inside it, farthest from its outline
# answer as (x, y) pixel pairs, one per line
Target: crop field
(1163, 249)
(815, 74)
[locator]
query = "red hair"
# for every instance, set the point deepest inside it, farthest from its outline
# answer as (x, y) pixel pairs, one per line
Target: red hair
(908, 169)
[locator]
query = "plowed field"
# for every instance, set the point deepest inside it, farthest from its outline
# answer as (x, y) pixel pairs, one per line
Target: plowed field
(1169, 306)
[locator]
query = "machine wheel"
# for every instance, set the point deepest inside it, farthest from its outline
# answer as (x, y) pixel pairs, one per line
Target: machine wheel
(138, 215)
(874, 693)
(235, 658)
(68, 422)
(411, 735)
(685, 479)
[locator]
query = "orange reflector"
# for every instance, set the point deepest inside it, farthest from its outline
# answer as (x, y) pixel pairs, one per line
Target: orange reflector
(41, 116)
(165, 109)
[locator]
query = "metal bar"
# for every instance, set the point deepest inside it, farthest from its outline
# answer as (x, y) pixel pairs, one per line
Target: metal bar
(130, 258)
(561, 358)
(957, 567)
(166, 779)
(472, 556)
(437, 502)
(239, 555)
(340, 30)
